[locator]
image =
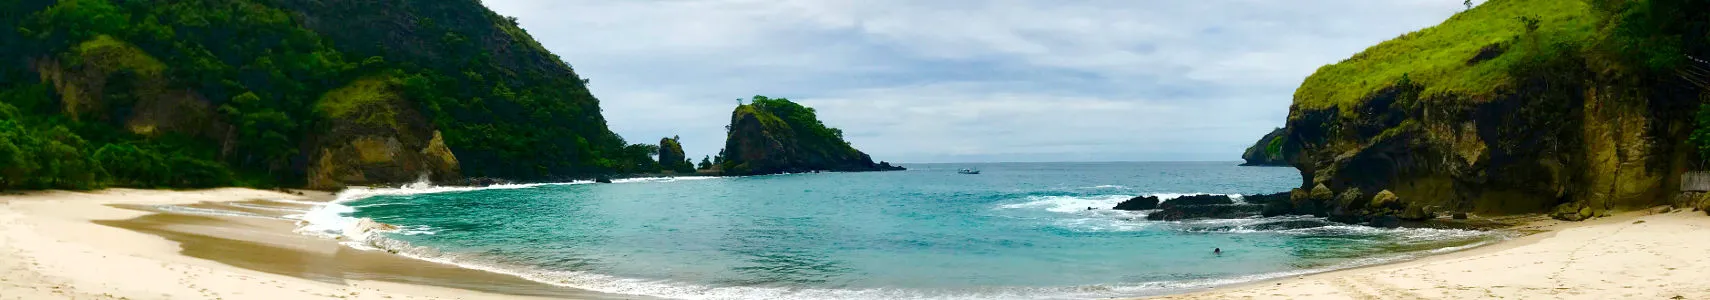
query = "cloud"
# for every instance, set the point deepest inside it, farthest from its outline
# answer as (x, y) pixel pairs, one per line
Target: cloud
(944, 81)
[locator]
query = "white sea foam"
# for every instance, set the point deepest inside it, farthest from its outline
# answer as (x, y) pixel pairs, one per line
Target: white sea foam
(417, 230)
(332, 219)
(662, 179)
(209, 212)
(1075, 204)
(683, 290)
(381, 204)
(298, 202)
(1069, 204)
(265, 207)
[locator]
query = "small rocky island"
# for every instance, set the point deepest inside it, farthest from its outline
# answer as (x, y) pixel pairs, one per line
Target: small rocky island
(1270, 151)
(774, 136)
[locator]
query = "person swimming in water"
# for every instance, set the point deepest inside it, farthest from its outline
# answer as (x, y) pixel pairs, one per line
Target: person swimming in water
(1217, 251)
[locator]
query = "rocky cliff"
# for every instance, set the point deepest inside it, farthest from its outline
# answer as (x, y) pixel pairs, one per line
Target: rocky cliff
(375, 136)
(1506, 108)
(1270, 150)
(771, 136)
(671, 157)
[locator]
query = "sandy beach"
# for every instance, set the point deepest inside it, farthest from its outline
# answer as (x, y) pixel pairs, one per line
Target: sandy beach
(144, 244)
(1636, 255)
(116, 244)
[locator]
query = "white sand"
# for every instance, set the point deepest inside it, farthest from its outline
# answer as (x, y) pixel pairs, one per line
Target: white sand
(1634, 256)
(49, 249)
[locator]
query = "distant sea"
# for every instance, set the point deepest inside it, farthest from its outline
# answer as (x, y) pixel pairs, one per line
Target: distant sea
(1018, 230)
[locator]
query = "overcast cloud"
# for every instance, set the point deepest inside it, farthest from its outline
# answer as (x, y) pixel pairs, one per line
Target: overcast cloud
(960, 81)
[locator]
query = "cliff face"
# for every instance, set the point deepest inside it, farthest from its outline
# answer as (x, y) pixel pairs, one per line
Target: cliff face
(1271, 150)
(375, 136)
(1555, 129)
(772, 136)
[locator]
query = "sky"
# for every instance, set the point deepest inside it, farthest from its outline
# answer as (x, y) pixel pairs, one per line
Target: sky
(923, 81)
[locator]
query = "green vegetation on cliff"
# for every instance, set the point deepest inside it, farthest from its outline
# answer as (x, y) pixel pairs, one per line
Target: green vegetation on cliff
(1514, 106)
(671, 157)
(1270, 150)
(1447, 58)
(264, 92)
(769, 136)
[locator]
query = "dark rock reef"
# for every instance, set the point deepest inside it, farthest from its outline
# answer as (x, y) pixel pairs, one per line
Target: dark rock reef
(1144, 203)
(1203, 207)
(773, 136)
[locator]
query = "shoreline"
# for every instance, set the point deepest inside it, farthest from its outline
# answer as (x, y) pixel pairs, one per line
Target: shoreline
(126, 243)
(130, 243)
(1671, 240)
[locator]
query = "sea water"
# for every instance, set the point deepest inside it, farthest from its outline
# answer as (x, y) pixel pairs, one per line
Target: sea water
(1018, 230)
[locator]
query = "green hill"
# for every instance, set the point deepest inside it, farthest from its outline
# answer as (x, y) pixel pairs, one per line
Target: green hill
(288, 92)
(775, 135)
(1446, 59)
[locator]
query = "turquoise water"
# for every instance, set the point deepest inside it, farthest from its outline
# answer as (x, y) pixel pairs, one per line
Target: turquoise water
(1016, 231)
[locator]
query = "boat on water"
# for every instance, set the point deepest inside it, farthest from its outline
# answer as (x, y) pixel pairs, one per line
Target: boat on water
(969, 171)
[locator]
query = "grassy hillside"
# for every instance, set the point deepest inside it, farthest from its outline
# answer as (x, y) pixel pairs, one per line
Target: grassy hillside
(1575, 107)
(1441, 58)
(237, 87)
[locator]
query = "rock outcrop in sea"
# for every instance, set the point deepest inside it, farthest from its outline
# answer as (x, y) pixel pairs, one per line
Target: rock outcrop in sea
(671, 157)
(1138, 203)
(1204, 207)
(1271, 150)
(772, 136)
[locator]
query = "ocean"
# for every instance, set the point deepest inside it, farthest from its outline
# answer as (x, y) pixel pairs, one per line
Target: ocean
(1016, 231)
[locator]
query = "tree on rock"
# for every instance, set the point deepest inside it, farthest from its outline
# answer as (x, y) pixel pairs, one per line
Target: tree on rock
(671, 156)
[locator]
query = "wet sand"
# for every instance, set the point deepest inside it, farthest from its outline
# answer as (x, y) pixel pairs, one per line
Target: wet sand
(1649, 254)
(213, 244)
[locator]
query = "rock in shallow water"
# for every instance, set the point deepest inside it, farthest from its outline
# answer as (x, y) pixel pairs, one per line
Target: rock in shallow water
(1201, 199)
(1138, 203)
(1385, 222)
(1208, 211)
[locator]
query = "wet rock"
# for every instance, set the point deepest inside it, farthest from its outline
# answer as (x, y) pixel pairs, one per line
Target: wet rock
(1138, 203)
(1287, 225)
(886, 166)
(1201, 199)
(1322, 192)
(1275, 204)
(1418, 213)
(1384, 198)
(1351, 198)
(1265, 198)
(1385, 222)
(1460, 216)
(1207, 211)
